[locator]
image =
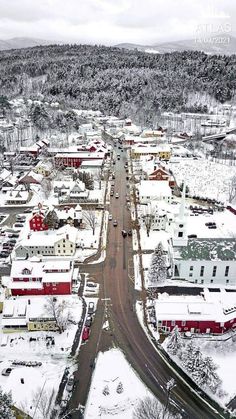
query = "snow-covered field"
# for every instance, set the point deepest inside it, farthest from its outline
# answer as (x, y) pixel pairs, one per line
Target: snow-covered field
(204, 178)
(115, 388)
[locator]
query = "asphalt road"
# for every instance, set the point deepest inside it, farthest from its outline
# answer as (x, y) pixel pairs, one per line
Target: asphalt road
(116, 303)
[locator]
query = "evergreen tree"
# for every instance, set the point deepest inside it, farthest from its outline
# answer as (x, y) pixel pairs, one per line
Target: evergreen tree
(157, 272)
(207, 376)
(6, 411)
(174, 344)
(51, 220)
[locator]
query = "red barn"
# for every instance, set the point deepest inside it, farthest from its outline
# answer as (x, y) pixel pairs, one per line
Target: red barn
(210, 313)
(37, 277)
(37, 222)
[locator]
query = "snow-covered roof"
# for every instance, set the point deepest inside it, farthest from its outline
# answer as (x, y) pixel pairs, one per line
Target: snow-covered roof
(220, 308)
(49, 237)
(147, 149)
(153, 188)
(79, 155)
(91, 163)
(209, 249)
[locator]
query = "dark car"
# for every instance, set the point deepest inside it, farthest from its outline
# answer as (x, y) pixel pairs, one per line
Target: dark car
(18, 225)
(4, 254)
(7, 371)
(124, 233)
(130, 233)
(88, 321)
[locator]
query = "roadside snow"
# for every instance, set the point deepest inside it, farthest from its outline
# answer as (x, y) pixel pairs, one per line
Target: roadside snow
(114, 377)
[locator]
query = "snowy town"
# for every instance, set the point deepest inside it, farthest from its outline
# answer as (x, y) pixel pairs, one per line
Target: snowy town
(114, 226)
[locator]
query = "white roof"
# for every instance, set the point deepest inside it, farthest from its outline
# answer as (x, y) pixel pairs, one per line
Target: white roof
(49, 237)
(154, 188)
(91, 163)
(207, 307)
(147, 149)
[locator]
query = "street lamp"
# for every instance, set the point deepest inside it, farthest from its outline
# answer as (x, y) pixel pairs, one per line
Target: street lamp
(169, 386)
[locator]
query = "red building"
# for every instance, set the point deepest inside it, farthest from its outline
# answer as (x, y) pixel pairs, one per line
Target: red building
(210, 313)
(37, 222)
(75, 159)
(161, 174)
(35, 277)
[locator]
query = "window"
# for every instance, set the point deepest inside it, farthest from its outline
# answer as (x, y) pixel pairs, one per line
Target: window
(180, 234)
(212, 281)
(191, 268)
(59, 251)
(172, 322)
(181, 225)
(202, 271)
(191, 274)
(226, 270)
(227, 281)
(183, 323)
(202, 281)
(214, 271)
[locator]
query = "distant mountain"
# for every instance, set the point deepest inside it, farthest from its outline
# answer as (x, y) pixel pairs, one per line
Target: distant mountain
(212, 44)
(17, 43)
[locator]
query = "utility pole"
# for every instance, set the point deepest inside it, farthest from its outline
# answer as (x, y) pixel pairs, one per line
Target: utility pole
(169, 386)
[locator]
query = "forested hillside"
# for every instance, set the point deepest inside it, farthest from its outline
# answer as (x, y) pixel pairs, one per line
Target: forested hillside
(115, 81)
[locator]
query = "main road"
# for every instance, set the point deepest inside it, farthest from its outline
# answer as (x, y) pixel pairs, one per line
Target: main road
(117, 304)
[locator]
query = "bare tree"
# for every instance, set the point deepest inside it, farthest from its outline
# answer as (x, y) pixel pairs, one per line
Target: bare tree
(232, 189)
(148, 218)
(46, 187)
(91, 219)
(150, 408)
(42, 401)
(98, 177)
(59, 312)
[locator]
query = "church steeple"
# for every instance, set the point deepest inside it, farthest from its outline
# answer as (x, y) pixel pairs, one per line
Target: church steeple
(180, 234)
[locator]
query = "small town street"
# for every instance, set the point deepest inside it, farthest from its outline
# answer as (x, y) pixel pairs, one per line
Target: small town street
(117, 299)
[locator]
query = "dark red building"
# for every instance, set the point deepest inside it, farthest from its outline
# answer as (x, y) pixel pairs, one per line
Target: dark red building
(37, 222)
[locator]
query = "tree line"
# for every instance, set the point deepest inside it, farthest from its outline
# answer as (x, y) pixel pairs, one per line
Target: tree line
(117, 81)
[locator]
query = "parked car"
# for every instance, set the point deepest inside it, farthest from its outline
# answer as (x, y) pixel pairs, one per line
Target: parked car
(124, 233)
(115, 223)
(7, 371)
(112, 192)
(4, 254)
(91, 308)
(88, 321)
(110, 217)
(18, 225)
(192, 236)
(85, 334)
(117, 195)
(70, 383)
(27, 210)
(130, 233)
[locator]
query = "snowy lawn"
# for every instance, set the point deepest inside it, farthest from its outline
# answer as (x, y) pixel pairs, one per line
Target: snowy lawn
(115, 388)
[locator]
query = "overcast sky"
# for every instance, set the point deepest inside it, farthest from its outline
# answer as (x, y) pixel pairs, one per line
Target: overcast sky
(113, 21)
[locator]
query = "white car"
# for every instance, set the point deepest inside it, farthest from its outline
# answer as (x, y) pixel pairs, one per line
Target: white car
(117, 195)
(110, 217)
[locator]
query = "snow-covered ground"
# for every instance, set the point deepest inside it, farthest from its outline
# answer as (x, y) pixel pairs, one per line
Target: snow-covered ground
(122, 387)
(54, 359)
(204, 178)
(223, 354)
